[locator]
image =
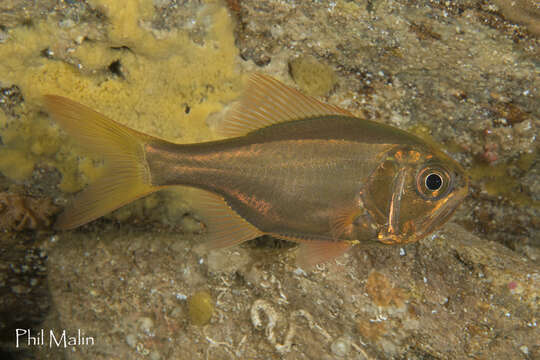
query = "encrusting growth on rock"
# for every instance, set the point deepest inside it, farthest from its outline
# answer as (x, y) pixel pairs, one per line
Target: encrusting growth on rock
(19, 212)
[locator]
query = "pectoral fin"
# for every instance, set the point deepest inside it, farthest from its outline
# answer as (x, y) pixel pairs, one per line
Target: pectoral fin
(313, 252)
(341, 224)
(316, 252)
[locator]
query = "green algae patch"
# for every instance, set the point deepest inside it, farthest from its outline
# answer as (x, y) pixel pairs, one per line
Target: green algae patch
(312, 76)
(526, 161)
(424, 133)
(124, 68)
(200, 308)
(3, 120)
(496, 180)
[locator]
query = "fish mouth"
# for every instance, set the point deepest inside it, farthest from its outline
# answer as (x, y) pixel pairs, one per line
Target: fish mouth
(395, 232)
(428, 224)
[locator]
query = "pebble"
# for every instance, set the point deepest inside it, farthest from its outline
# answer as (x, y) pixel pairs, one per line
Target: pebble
(131, 340)
(145, 324)
(341, 346)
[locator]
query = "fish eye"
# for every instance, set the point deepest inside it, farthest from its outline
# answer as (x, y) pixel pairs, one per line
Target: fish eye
(433, 182)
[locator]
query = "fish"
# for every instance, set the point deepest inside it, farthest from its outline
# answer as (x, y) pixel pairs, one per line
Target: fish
(289, 166)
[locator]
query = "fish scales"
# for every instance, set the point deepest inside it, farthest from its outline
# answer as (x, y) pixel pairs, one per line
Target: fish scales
(294, 177)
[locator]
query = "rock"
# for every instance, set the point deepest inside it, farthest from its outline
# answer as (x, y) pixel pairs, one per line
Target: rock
(460, 74)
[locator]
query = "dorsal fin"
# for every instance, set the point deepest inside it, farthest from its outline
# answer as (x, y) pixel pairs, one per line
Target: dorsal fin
(225, 227)
(266, 101)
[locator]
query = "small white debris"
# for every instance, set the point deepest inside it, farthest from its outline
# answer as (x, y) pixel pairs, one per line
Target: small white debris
(271, 319)
(145, 324)
(269, 312)
(341, 347)
(276, 31)
(66, 23)
(131, 340)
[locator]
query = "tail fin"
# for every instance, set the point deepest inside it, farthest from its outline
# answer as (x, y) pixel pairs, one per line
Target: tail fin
(126, 177)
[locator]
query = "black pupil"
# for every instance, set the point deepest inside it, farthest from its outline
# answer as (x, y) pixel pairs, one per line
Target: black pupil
(433, 182)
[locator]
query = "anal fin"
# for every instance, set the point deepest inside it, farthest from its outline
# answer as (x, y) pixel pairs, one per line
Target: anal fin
(225, 227)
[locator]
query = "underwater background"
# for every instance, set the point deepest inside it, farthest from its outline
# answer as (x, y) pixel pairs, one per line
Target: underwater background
(463, 75)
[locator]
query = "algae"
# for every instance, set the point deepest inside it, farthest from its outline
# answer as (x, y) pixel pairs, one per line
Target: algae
(495, 179)
(201, 308)
(525, 12)
(161, 72)
(451, 295)
(312, 76)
